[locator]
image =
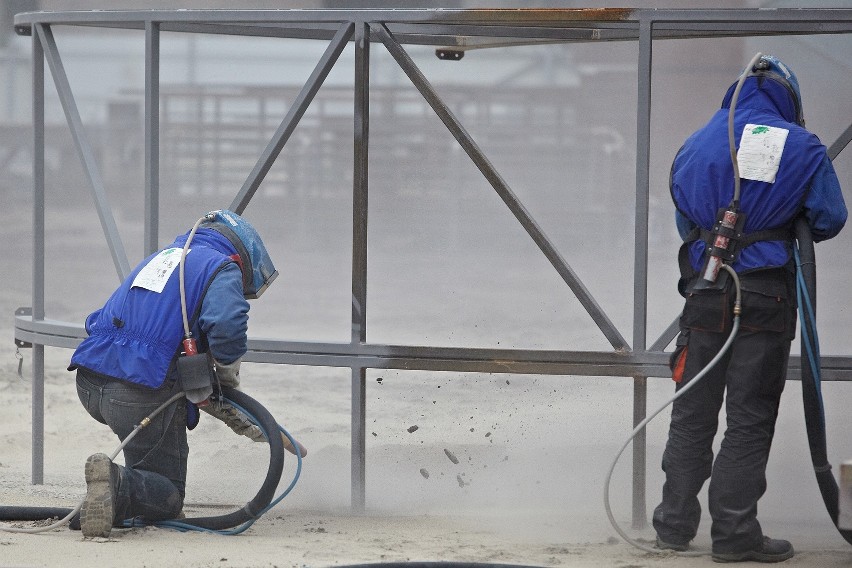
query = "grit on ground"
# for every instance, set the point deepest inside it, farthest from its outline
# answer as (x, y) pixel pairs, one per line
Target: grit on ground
(460, 467)
(471, 468)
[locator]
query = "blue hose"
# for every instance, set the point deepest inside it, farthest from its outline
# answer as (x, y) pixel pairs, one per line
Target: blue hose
(812, 400)
(178, 525)
(811, 345)
(189, 525)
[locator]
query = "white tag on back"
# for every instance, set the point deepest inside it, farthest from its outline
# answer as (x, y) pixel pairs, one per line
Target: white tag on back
(760, 152)
(156, 273)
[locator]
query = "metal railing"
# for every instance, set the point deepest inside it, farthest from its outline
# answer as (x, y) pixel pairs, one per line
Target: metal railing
(452, 32)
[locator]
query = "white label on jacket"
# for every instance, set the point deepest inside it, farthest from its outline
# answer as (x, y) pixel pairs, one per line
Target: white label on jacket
(155, 274)
(760, 152)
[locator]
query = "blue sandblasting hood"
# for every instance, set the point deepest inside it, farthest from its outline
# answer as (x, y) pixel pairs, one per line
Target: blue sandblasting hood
(258, 270)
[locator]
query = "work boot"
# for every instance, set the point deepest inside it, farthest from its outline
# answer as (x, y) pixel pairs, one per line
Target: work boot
(98, 510)
(770, 550)
(677, 547)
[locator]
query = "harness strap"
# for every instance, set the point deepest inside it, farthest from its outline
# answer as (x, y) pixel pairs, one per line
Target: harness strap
(780, 234)
(708, 236)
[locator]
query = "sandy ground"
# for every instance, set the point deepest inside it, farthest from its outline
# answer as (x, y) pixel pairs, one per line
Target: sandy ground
(526, 503)
(532, 451)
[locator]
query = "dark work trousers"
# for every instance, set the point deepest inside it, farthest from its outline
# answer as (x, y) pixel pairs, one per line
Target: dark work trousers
(153, 480)
(753, 372)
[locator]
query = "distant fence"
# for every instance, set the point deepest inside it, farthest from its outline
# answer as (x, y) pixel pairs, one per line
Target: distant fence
(210, 136)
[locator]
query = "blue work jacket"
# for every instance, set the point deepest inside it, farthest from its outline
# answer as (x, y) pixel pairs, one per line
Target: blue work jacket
(136, 336)
(702, 179)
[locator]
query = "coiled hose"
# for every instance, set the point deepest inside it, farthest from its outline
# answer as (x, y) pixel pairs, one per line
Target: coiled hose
(264, 496)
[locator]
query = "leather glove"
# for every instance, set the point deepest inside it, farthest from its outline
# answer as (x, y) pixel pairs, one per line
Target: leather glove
(228, 374)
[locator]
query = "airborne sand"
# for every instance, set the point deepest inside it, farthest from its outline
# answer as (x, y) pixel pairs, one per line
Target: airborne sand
(532, 454)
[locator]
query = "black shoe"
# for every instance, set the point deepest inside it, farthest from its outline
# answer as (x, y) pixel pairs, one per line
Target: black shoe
(98, 509)
(677, 547)
(771, 550)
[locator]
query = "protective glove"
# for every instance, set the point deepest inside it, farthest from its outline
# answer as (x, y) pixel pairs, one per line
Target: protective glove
(228, 374)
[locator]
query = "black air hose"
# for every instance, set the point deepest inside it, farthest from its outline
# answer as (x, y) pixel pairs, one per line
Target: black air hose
(251, 510)
(273, 475)
(13, 513)
(811, 395)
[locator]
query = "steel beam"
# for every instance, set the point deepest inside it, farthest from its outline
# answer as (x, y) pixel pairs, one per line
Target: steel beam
(431, 358)
(37, 313)
(294, 115)
(841, 142)
(85, 151)
(360, 193)
(152, 137)
(640, 262)
(501, 187)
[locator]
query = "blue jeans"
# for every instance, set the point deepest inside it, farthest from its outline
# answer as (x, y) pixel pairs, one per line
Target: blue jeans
(153, 480)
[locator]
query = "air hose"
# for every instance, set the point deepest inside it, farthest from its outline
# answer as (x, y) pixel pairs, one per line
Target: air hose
(210, 524)
(811, 376)
(709, 273)
(811, 387)
(32, 513)
(256, 506)
(245, 516)
(683, 390)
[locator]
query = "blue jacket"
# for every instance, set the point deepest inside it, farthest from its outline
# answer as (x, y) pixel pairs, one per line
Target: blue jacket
(702, 179)
(136, 336)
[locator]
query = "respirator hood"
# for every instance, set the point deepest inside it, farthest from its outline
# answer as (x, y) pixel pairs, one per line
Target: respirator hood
(257, 267)
(786, 94)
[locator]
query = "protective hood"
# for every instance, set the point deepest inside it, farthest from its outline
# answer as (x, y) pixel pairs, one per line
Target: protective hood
(770, 81)
(257, 267)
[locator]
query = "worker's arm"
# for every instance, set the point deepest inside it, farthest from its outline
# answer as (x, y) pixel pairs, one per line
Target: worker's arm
(825, 209)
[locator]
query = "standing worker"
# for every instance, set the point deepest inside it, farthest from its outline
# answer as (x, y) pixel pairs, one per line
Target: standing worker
(784, 173)
(187, 298)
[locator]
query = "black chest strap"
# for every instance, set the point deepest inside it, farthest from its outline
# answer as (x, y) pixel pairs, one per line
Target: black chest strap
(779, 234)
(686, 269)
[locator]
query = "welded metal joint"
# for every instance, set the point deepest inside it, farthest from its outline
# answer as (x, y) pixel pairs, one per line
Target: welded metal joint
(20, 343)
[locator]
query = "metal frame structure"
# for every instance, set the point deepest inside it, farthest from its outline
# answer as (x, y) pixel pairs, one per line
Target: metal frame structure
(451, 32)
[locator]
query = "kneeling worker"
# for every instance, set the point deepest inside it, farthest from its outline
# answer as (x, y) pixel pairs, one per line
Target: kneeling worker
(128, 364)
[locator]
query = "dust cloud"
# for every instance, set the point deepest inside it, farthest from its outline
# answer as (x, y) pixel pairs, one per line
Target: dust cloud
(449, 266)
